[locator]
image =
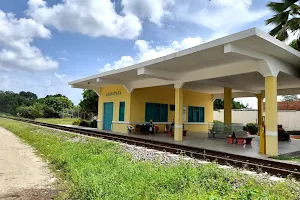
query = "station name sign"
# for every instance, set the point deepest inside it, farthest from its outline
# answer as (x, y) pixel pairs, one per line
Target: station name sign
(113, 93)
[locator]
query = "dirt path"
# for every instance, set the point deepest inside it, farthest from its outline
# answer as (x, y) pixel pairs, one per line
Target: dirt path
(23, 175)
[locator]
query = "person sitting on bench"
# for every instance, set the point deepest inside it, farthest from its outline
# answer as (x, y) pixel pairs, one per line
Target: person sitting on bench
(283, 134)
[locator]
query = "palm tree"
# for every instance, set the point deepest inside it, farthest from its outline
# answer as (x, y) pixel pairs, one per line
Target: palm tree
(294, 44)
(286, 19)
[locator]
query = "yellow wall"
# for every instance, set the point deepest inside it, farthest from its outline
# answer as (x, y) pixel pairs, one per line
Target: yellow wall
(166, 95)
(136, 101)
(116, 99)
(99, 125)
(191, 98)
(120, 128)
(139, 97)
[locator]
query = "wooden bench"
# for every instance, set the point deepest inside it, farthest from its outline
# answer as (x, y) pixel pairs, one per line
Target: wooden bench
(241, 137)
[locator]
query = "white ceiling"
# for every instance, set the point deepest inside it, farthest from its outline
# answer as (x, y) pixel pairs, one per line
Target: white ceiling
(254, 81)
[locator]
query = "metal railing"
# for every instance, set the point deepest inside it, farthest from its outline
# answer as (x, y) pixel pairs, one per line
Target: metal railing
(219, 128)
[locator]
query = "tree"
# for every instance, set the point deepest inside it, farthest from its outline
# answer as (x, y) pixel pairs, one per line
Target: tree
(219, 104)
(55, 104)
(10, 101)
(27, 104)
(89, 103)
(294, 44)
(290, 98)
(286, 19)
(27, 98)
(238, 105)
(38, 110)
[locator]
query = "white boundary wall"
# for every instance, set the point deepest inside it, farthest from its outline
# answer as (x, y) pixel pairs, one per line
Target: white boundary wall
(289, 119)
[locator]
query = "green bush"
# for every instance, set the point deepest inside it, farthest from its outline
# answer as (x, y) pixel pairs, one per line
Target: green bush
(84, 123)
(26, 111)
(31, 112)
(252, 128)
(81, 122)
(49, 112)
(38, 110)
(93, 124)
(76, 122)
(217, 121)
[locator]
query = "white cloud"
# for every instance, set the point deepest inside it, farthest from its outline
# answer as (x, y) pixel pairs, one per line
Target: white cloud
(123, 62)
(292, 36)
(154, 10)
(16, 50)
(147, 52)
(88, 17)
(59, 75)
(65, 59)
(100, 18)
(251, 101)
(218, 15)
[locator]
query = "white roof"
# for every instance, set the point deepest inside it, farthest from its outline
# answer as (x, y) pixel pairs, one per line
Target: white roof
(245, 48)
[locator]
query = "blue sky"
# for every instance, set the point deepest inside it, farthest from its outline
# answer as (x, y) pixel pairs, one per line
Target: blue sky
(45, 44)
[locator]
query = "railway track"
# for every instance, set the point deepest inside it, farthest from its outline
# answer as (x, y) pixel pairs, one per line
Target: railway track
(273, 167)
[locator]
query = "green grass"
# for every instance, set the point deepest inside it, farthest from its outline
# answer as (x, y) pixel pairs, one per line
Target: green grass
(284, 157)
(57, 120)
(5, 114)
(93, 169)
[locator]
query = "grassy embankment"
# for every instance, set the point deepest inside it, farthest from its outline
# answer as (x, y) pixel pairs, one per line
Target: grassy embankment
(290, 158)
(57, 120)
(93, 169)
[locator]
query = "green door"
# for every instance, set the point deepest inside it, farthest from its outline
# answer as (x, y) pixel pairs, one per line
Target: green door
(108, 115)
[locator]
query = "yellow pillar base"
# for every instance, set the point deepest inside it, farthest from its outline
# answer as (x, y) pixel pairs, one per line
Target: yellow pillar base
(178, 134)
(272, 144)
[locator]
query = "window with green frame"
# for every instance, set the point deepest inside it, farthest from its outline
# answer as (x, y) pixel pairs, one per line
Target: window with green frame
(196, 114)
(121, 111)
(157, 112)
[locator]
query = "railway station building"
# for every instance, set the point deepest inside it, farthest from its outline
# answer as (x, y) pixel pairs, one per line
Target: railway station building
(182, 86)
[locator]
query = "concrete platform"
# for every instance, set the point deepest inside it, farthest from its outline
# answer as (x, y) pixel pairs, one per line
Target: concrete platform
(201, 140)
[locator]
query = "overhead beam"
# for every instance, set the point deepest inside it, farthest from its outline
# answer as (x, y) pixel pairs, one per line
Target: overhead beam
(128, 87)
(242, 52)
(149, 82)
(82, 86)
(268, 66)
(234, 95)
(153, 73)
(288, 91)
(110, 81)
(90, 87)
(228, 85)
